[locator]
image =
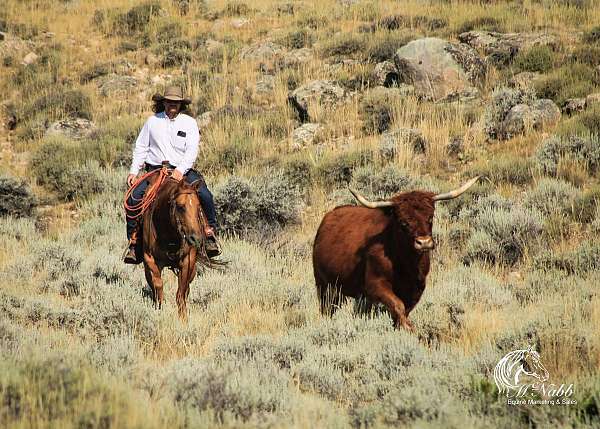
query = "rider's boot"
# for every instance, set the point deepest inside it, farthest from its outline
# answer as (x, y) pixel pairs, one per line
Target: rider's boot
(212, 247)
(133, 253)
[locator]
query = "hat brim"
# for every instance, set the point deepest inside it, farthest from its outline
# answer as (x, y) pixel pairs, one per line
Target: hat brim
(175, 98)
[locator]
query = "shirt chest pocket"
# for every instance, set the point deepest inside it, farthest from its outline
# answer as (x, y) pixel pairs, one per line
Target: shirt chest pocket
(179, 140)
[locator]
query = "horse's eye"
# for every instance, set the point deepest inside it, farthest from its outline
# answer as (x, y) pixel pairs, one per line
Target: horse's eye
(180, 208)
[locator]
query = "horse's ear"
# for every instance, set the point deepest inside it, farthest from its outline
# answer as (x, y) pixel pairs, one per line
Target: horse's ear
(197, 184)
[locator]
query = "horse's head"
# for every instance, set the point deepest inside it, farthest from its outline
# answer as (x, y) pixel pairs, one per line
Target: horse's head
(532, 366)
(185, 212)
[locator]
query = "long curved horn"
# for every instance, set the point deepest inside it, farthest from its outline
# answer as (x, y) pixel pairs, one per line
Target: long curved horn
(370, 204)
(457, 192)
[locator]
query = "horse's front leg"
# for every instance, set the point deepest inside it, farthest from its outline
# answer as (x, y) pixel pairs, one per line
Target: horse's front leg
(154, 279)
(187, 272)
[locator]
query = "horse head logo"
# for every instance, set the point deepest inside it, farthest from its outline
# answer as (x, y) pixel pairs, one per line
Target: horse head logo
(516, 365)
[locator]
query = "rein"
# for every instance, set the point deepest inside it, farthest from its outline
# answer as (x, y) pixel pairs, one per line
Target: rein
(141, 206)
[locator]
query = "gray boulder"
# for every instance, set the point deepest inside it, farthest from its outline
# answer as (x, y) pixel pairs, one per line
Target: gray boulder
(296, 57)
(440, 70)
(574, 105)
(114, 84)
(523, 117)
(72, 128)
(265, 84)
(265, 51)
(408, 137)
(500, 48)
(306, 135)
(323, 92)
(386, 74)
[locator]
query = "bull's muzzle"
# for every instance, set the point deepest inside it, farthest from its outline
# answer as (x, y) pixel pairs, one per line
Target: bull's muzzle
(424, 243)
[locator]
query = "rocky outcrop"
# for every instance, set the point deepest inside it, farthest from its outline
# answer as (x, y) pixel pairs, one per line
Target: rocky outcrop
(72, 128)
(323, 92)
(500, 48)
(440, 70)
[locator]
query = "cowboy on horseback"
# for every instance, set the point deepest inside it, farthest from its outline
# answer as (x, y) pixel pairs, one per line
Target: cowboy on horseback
(168, 138)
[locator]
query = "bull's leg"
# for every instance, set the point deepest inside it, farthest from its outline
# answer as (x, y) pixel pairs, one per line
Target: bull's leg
(187, 272)
(154, 279)
(395, 306)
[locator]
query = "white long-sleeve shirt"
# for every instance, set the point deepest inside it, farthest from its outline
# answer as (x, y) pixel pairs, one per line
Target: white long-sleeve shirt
(162, 139)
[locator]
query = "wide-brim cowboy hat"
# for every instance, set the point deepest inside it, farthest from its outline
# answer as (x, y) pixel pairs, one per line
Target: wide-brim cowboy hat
(173, 93)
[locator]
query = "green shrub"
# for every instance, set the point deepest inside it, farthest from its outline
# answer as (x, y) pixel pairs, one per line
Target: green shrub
(258, 206)
(383, 47)
(593, 36)
(241, 392)
(554, 149)
(56, 389)
(16, 198)
(502, 230)
(59, 165)
(299, 172)
(136, 19)
(236, 152)
(551, 196)
(586, 204)
(484, 23)
(236, 8)
(589, 55)
(169, 31)
(572, 81)
(537, 59)
(585, 259)
(377, 183)
(296, 39)
(175, 57)
(377, 112)
(591, 119)
(347, 45)
(512, 169)
(337, 170)
(312, 20)
(59, 103)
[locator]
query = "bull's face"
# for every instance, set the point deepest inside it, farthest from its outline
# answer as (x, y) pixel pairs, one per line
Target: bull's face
(414, 212)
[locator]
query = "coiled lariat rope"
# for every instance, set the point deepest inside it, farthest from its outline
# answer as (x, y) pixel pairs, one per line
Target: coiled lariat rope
(140, 206)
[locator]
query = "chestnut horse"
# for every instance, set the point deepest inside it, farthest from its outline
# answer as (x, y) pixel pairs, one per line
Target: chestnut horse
(173, 236)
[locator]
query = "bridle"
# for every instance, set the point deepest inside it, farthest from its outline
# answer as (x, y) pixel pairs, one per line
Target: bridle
(173, 212)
